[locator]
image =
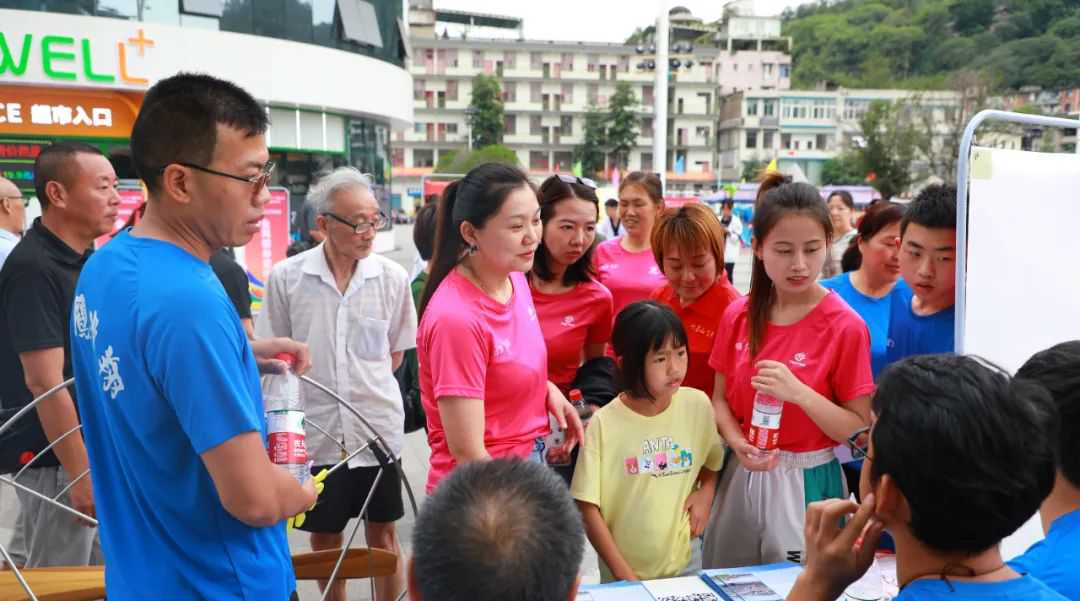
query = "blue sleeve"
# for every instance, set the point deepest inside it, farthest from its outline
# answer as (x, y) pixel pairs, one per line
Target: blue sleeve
(202, 364)
(1030, 560)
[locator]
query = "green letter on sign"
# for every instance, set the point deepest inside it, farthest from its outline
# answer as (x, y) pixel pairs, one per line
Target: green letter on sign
(48, 55)
(6, 62)
(89, 69)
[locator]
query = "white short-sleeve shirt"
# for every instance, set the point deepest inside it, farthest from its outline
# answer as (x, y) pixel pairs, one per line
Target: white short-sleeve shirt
(351, 337)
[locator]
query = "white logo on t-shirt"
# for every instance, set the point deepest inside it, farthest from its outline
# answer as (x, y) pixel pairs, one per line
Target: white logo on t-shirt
(739, 346)
(568, 321)
(654, 270)
(799, 359)
(109, 368)
(502, 347)
(609, 266)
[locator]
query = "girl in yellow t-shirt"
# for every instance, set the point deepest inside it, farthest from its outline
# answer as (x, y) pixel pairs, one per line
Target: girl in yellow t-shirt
(646, 475)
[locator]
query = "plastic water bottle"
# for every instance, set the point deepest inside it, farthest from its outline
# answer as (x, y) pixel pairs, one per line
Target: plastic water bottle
(765, 422)
(285, 441)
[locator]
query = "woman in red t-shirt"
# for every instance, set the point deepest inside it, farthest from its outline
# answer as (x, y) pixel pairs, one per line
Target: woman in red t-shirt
(792, 341)
(483, 365)
(688, 243)
(626, 265)
(574, 309)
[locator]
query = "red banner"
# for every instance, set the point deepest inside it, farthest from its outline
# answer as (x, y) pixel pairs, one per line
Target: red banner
(269, 245)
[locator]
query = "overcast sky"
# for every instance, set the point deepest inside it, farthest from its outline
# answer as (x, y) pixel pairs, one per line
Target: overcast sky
(596, 20)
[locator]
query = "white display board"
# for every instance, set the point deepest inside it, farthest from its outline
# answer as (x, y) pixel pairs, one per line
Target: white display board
(1023, 247)
(1022, 283)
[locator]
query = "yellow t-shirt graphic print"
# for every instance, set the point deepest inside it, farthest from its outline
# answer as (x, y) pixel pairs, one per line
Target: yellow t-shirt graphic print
(639, 471)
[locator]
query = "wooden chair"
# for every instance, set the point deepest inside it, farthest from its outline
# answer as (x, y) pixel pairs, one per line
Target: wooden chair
(88, 583)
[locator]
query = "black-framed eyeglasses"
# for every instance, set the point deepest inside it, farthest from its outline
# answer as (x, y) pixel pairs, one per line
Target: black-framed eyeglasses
(859, 443)
(24, 200)
(259, 180)
(573, 179)
(364, 226)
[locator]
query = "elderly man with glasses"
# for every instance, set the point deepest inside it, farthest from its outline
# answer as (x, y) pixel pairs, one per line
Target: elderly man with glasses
(12, 217)
(355, 310)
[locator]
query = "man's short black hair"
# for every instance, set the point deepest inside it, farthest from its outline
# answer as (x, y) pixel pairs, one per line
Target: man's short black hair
(971, 449)
(933, 208)
(54, 164)
(423, 233)
(502, 530)
(611, 202)
(1058, 370)
(639, 328)
(179, 118)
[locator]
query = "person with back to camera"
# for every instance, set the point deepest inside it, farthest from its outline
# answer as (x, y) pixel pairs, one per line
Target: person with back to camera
(611, 227)
(733, 229)
(953, 466)
(1056, 560)
(483, 363)
(688, 243)
(646, 475)
(500, 530)
(626, 265)
(793, 379)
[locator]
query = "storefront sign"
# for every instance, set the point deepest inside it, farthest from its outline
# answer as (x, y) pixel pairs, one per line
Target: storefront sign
(66, 59)
(17, 161)
(269, 245)
(36, 111)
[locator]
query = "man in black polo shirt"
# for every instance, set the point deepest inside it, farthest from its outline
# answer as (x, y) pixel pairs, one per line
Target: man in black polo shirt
(76, 186)
(234, 280)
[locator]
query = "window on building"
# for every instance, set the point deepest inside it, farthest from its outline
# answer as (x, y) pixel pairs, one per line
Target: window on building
(564, 161)
(535, 125)
(419, 127)
(510, 58)
(785, 71)
(567, 61)
(822, 142)
(423, 157)
(767, 140)
(509, 93)
(359, 23)
(593, 93)
(205, 8)
(646, 126)
(751, 138)
(647, 95)
(451, 128)
(535, 92)
(702, 132)
(566, 125)
(591, 62)
(418, 89)
(568, 93)
(451, 90)
(510, 124)
(751, 108)
(767, 69)
(478, 59)
(785, 141)
(538, 160)
(646, 161)
(397, 157)
(770, 108)
(603, 72)
(536, 60)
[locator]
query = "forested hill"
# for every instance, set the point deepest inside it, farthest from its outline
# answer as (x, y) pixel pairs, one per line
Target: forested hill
(922, 43)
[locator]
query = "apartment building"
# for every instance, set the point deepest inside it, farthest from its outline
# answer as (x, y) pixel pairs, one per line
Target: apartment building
(548, 87)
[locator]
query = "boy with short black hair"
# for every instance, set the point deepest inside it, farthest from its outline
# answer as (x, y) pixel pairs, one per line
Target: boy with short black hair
(1056, 560)
(975, 476)
(923, 317)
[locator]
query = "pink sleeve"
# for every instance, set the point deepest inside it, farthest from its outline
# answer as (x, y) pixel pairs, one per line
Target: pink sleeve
(600, 330)
(852, 376)
(459, 351)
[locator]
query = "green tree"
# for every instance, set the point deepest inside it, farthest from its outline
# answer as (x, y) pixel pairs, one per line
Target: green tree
(890, 144)
(622, 123)
(463, 161)
(972, 16)
(752, 170)
(844, 170)
(590, 153)
(446, 161)
(486, 111)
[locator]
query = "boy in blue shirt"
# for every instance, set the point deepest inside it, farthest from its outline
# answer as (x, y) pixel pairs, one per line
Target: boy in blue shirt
(190, 506)
(1056, 560)
(959, 456)
(923, 315)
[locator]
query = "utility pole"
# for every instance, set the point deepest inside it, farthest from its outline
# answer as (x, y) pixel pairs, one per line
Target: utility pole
(660, 97)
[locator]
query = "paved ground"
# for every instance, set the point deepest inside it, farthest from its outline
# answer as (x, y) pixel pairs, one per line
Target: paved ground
(414, 459)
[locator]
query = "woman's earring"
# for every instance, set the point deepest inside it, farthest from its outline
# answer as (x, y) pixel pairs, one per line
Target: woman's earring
(472, 249)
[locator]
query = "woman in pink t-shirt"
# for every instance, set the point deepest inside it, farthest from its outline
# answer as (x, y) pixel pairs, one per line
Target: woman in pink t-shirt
(483, 364)
(626, 265)
(795, 342)
(574, 309)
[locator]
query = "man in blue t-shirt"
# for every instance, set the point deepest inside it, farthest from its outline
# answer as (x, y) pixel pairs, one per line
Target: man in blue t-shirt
(189, 504)
(923, 315)
(1056, 560)
(983, 461)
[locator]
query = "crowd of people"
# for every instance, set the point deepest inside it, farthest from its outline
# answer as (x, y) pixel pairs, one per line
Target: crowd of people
(569, 387)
